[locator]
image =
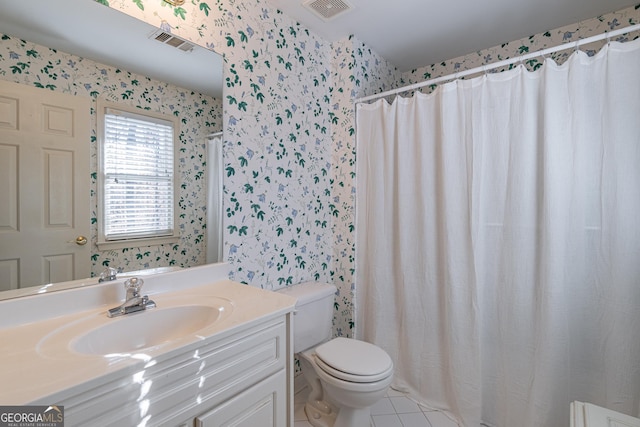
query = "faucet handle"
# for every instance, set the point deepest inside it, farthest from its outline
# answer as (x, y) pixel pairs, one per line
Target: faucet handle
(109, 273)
(134, 283)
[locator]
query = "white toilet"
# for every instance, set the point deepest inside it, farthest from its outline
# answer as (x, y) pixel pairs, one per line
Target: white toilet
(346, 376)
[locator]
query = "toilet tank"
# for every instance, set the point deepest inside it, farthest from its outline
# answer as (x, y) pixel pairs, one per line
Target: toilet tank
(313, 320)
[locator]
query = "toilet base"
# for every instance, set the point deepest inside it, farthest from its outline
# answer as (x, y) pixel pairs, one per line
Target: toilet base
(319, 418)
(347, 417)
(333, 402)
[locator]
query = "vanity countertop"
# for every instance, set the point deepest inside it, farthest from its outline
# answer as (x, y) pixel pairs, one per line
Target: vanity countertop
(36, 360)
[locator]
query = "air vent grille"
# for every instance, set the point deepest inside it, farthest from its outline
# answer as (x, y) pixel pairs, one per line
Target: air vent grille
(327, 9)
(171, 40)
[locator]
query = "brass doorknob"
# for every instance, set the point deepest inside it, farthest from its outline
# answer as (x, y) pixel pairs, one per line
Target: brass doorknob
(80, 240)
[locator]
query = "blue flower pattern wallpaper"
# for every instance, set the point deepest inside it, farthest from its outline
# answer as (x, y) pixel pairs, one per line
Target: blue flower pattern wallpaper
(30, 64)
(567, 34)
(289, 135)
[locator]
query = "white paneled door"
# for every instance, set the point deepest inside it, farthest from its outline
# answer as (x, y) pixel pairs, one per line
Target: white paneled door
(589, 415)
(44, 186)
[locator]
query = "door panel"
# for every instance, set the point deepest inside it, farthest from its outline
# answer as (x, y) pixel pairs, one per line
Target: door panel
(58, 184)
(44, 185)
(8, 188)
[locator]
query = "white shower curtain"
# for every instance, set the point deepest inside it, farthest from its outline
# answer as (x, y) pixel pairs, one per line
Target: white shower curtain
(498, 240)
(214, 199)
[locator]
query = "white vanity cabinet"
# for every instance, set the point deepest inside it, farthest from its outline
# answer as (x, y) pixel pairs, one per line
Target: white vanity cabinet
(242, 379)
(213, 352)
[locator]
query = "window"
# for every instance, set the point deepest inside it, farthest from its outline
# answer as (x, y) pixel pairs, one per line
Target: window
(137, 177)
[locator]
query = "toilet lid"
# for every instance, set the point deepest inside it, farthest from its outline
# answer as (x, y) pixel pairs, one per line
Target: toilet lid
(359, 360)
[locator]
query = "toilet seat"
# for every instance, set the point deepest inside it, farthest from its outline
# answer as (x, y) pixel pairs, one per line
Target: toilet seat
(353, 360)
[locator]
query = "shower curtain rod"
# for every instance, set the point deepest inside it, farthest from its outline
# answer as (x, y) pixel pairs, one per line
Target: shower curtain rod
(485, 68)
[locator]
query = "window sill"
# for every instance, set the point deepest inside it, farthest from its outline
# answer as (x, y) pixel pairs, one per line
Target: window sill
(135, 243)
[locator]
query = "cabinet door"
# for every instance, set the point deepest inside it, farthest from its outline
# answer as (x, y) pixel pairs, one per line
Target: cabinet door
(263, 405)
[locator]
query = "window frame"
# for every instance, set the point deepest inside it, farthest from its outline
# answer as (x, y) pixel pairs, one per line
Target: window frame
(103, 244)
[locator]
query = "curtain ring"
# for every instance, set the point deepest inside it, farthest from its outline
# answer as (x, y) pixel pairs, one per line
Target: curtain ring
(545, 56)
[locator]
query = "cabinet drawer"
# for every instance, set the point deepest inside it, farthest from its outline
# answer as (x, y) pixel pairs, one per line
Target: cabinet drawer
(175, 389)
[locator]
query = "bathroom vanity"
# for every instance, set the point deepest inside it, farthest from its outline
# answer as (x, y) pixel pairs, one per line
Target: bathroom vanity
(212, 352)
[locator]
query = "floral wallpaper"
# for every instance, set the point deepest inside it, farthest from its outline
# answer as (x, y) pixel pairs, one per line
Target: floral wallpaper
(30, 64)
(357, 71)
(278, 209)
(289, 133)
(288, 184)
(570, 33)
(290, 136)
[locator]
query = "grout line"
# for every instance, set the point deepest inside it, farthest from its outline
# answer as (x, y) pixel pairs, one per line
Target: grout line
(422, 409)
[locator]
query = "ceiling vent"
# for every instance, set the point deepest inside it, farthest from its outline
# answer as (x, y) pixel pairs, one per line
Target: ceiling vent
(327, 9)
(171, 40)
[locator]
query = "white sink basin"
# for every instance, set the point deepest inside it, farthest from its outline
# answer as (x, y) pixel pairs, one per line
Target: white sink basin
(175, 320)
(144, 329)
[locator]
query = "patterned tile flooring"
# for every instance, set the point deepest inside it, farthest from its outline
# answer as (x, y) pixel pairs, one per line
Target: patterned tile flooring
(394, 410)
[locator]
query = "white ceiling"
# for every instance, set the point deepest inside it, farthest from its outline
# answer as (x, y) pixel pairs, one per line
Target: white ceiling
(408, 33)
(88, 29)
(414, 33)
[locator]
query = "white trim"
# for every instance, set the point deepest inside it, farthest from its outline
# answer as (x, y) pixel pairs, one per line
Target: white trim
(136, 243)
(499, 64)
(102, 243)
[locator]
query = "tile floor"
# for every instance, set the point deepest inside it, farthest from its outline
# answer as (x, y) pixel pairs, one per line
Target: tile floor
(395, 410)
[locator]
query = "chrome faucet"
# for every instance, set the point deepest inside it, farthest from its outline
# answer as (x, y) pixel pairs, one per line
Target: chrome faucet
(133, 302)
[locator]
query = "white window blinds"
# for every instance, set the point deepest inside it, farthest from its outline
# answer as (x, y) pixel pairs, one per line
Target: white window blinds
(138, 176)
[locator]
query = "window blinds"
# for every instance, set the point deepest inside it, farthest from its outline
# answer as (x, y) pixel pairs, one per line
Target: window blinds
(138, 168)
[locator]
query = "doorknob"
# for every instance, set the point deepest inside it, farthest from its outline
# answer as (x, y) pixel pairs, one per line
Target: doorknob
(80, 240)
